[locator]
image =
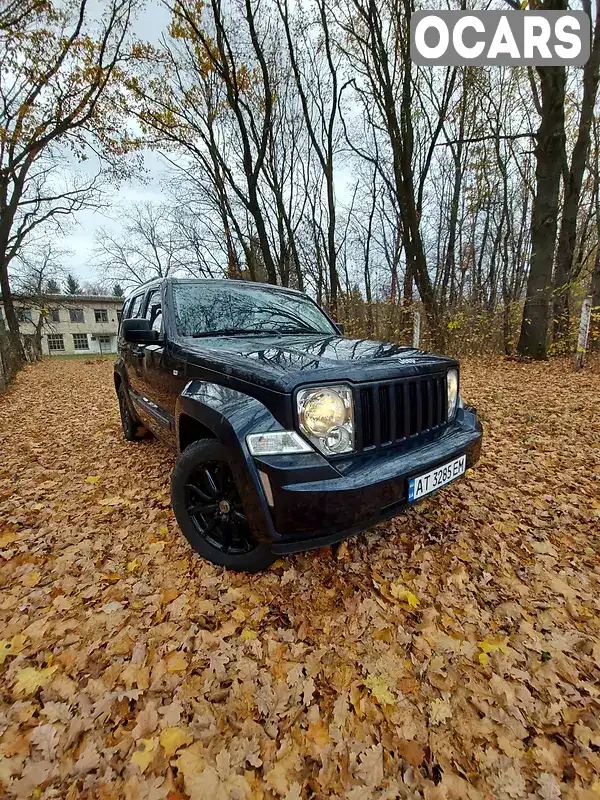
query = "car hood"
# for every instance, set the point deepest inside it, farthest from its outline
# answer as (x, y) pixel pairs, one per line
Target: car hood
(282, 363)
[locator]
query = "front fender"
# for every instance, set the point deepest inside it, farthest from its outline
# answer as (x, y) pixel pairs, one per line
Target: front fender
(231, 415)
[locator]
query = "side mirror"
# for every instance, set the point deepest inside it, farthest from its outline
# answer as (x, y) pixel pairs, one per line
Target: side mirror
(138, 330)
(341, 327)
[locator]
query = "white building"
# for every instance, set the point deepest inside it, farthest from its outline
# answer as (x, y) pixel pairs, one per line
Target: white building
(72, 324)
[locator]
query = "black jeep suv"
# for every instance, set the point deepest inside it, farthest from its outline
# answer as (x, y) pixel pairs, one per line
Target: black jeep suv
(290, 436)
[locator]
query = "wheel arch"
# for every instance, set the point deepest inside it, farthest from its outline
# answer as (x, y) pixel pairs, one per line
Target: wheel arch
(190, 429)
(228, 416)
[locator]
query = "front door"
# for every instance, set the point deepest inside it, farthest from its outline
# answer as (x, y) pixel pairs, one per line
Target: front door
(131, 351)
(157, 396)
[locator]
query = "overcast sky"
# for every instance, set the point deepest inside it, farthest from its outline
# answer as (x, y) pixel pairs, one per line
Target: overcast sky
(80, 240)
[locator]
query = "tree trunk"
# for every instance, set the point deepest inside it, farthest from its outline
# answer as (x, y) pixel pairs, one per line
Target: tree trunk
(595, 290)
(549, 154)
(568, 225)
(14, 336)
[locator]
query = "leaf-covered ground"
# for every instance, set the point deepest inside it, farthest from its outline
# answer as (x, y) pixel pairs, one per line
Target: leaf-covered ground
(451, 653)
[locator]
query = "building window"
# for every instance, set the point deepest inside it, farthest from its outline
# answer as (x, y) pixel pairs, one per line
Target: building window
(55, 342)
(23, 314)
(101, 314)
(54, 315)
(76, 314)
(80, 341)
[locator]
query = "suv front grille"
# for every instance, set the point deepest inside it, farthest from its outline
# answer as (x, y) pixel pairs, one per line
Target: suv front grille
(392, 411)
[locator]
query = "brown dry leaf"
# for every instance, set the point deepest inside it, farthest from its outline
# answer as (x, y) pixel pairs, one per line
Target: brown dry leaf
(31, 579)
(412, 751)
(176, 662)
(112, 501)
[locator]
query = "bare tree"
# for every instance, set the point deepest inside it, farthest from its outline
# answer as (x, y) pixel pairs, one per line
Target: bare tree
(54, 93)
(148, 246)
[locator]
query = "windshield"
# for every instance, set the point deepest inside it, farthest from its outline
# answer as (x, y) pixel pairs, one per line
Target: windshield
(202, 309)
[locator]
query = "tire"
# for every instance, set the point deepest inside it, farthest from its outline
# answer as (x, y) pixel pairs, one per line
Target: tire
(133, 430)
(210, 512)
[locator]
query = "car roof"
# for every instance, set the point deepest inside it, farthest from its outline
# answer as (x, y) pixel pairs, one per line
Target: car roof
(153, 282)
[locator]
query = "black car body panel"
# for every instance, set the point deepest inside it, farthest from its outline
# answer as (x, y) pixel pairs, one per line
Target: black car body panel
(232, 386)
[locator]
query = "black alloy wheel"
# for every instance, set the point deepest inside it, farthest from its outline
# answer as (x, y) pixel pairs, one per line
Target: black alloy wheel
(215, 508)
(210, 512)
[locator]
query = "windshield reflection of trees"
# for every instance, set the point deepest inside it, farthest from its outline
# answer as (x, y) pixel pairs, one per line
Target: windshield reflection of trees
(202, 309)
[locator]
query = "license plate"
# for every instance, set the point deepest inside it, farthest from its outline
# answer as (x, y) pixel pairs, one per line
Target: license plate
(440, 476)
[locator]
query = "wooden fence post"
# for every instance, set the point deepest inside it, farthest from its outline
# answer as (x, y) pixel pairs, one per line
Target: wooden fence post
(584, 329)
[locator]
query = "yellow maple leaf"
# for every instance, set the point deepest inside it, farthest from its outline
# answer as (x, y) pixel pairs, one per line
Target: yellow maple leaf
(132, 565)
(92, 479)
(174, 738)
(489, 646)
(31, 579)
(403, 594)
(248, 634)
(176, 662)
(11, 647)
(380, 690)
(111, 577)
(144, 753)
(484, 659)
(163, 531)
(29, 680)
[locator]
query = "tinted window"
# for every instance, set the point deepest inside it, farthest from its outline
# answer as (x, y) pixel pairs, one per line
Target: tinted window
(204, 308)
(136, 305)
(154, 310)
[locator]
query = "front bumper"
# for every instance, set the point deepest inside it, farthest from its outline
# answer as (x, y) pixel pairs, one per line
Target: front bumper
(316, 502)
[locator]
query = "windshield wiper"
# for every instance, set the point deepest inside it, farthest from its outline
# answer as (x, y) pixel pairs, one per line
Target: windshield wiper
(234, 332)
(302, 330)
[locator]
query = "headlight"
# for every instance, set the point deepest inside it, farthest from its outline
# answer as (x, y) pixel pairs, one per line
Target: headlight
(326, 417)
(452, 384)
(277, 443)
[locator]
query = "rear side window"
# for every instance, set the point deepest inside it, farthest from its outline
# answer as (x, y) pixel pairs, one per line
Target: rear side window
(154, 310)
(136, 305)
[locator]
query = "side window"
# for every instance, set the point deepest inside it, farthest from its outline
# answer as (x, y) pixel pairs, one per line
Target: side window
(136, 305)
(154, 310)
